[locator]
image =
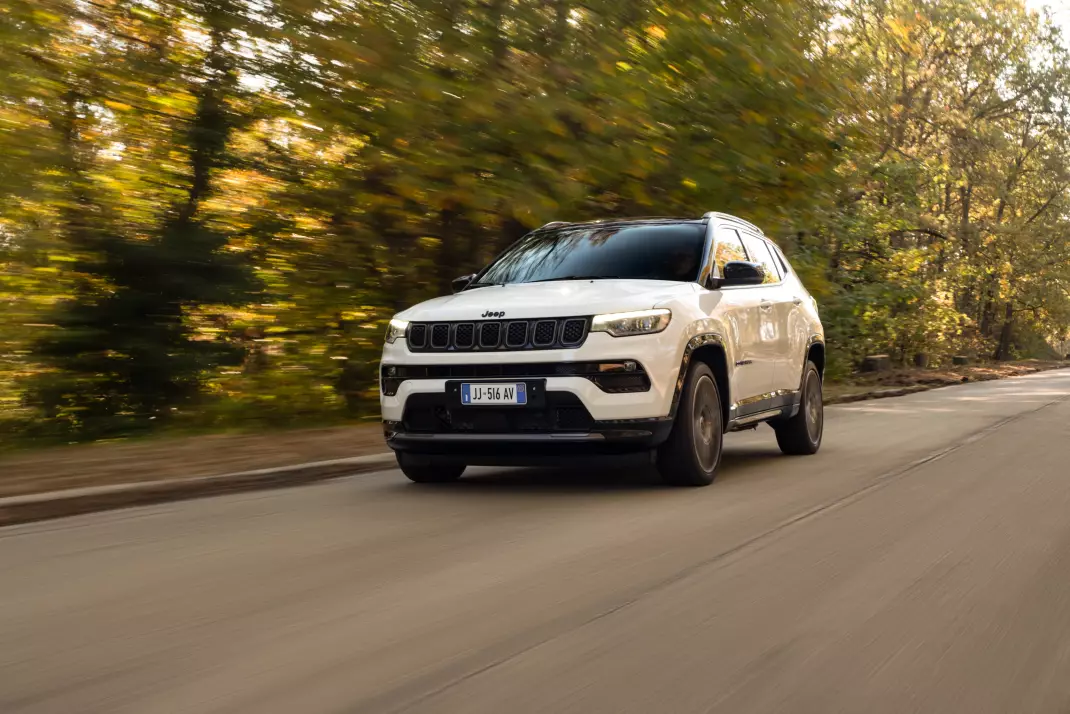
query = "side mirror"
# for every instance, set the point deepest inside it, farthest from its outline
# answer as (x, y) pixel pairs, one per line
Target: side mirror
(462, 282)
(740, 272)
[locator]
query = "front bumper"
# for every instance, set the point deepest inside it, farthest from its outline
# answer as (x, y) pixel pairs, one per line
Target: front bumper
(658, 354)
(573, 417)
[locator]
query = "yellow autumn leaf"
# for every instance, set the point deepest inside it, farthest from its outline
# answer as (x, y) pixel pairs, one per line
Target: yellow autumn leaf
(754, 117)
(557, 127)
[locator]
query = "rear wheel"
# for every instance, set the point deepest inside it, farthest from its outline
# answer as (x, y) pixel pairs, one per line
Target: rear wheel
(423, 469)
(692, 453)
(801, 435)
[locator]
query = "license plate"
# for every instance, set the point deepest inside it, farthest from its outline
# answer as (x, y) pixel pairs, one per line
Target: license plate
(509, 393)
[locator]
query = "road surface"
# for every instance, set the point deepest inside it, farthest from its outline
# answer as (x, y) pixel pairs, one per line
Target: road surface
(919, 563)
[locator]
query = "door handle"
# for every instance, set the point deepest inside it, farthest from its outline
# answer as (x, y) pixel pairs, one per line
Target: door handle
(765, 305)
(797, 301)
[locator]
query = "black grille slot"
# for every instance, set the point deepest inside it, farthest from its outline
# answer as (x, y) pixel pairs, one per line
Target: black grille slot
(572, 332)
(417, 336)
(517, 334)
(544, 333)
(440, 337)
(429, 413)
(573, 418)
(464, 336)
(490, 334)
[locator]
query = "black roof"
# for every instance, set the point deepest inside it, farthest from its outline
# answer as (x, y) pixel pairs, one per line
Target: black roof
(645, 220)
(649, 220)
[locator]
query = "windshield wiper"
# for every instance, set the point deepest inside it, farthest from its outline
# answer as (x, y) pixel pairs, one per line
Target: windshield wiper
(577, 277)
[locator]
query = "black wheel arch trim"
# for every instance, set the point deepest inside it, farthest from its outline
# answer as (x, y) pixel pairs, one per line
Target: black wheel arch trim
(814, 340)
(696, 342)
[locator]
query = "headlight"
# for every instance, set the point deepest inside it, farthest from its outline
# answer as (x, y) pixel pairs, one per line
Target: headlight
(624, 324)
(396, 330)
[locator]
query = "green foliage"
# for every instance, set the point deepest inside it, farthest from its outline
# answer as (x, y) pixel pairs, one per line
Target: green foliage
(208, 209)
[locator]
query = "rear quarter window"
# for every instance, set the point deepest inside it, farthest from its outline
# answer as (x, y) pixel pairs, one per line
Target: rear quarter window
(761, 252)
(781, 259)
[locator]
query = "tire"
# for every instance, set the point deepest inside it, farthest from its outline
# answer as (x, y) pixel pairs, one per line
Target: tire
(692, 453)
(429, 470)
(801, 435)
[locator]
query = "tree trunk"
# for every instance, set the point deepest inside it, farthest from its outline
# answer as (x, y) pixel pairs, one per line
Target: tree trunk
(454, 252)
(211, 127)
(559, 28)
(512, 230)
(1003, 351)
(988, 309)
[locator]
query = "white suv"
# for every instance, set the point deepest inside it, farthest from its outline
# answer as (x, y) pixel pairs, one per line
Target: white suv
(655, 335)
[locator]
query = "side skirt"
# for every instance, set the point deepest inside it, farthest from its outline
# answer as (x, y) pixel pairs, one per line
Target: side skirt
(765, 407)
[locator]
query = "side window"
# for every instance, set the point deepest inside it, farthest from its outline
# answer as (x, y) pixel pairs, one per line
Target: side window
(760, 253)
(729, 248)
(782, 259)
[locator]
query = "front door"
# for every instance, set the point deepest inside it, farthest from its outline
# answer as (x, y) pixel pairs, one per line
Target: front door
(777, 318)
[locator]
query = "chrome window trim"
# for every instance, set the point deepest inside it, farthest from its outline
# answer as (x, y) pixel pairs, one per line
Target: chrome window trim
(710, 261)
(706, 266)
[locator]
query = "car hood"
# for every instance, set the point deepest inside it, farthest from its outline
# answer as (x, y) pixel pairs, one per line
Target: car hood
(566, 298)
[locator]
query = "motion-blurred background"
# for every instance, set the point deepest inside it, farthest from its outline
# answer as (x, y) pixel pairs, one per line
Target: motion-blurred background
(209, 208)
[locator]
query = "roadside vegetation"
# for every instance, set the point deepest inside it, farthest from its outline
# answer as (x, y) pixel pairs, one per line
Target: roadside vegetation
(209, 208)
(167, 456)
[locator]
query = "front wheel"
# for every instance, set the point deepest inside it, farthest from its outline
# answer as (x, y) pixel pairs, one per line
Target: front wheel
(801, 435)
(428, 470)
(692, 453)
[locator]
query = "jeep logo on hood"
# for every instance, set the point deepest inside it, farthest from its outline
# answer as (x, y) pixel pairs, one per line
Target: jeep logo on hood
(489, 313)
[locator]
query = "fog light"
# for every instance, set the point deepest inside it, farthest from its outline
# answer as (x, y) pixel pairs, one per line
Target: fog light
(626, 366)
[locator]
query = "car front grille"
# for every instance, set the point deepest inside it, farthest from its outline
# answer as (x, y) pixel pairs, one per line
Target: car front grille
(430, 414)
(512, 335)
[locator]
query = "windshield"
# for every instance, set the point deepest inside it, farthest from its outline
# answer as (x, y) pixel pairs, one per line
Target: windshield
(668, 251)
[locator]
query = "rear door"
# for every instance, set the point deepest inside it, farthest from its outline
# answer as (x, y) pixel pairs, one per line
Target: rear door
(740, 309)
(779, 317)
(797, 325)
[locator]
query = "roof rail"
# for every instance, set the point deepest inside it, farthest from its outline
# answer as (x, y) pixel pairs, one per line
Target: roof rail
(715, 214)
(554, 224)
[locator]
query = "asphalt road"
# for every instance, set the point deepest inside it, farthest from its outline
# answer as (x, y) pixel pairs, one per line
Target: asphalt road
(919, 563)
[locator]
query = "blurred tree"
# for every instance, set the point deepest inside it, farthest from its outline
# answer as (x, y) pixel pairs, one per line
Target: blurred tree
(120, 350)
(208, 208)
(959, 116)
